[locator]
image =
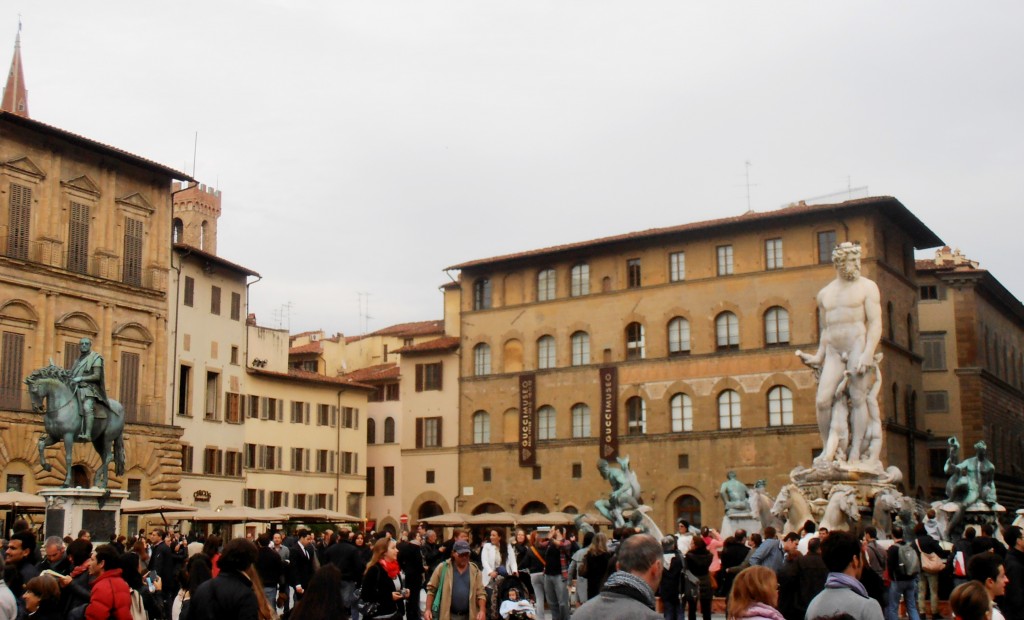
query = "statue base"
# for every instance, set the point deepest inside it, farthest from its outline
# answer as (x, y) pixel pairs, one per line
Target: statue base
(69, 511)
(742, 521)
(869, 479)
(977, 514)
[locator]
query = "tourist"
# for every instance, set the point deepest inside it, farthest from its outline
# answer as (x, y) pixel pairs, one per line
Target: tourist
(382, 580)
(715, 543)
(229, 595)
(754, 592)
(594, 564)
(54, 557)
(1013, 601)
(928, 585)
(197, 572)
(536, 567)
(20, 567)
(523, 560)
(516, 607)
(323, 598)
(557, 552)
(363, 548)
(970, 601)
(769, 553)
(272, 571)
(904, 571)
(734, 552)
(578, 591)
(808, 531)
(456, 603)
(265, 607)
(671, 579)
(843, 593)
(42, 598)
(961, 555)
(344, 555)
(788, 579)
(985, 542)
(987, 569)
(410, 559)
(813, 575)
(931, 525)
(684, 537)
(698, 563)
(628, 594)
(75, 591)
(212, 550)
(8, 604)
(109, 596)
(152, 602)
(498, 560)
(302, 564)
(875, 554)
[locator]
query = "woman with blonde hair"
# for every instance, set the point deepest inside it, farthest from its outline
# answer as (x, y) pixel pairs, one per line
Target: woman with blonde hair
(383, 584)
(754, 595)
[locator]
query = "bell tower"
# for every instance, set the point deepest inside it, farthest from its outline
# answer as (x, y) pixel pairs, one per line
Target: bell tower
(196, 211)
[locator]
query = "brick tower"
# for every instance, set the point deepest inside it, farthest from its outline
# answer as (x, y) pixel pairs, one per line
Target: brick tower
(196, 211)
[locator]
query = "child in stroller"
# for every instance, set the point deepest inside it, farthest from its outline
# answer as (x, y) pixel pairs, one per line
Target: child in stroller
(517, 607)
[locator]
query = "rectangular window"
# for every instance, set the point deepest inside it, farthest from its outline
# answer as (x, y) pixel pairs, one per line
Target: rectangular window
(724, 260)
(322, 461)
(253, 410)
(233, 463)
(78, 239)
(826, 243)
(300, 412)
(485, 474)
(134, 489)
(428, 376)
(249, 455)
(391, 391)
(190, 291)
(132, 252)
(389, 481)
(233, 408)
(349, 463)
(536, 472)
(323, 415)
(215, 300)
(212, 461)
(349, 417)
(577, 470)
(19, 221)
(185, 390)
(371, 482)
(633, 279)
(428, 432)
(298, 460)
(236, 306)
(934, 349)
(130, 385)
(773, 254)
(212, 394)
(354, 504)
(683, 461)
(186, 458)
(430, 476)
(71, 352)
(677, 266)
(12, 352)
(234, 355)
(937, 462)
(929, 292)
(579, 280)
(936, 402)
(249, 498)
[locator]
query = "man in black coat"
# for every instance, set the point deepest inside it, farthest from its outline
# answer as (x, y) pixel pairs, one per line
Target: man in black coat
(54, 557)
(732, 555)
(303, 562)
(345, 556)
(813, 574)
(229, 595)
(1012, 604)
(789, 579)
(410, 560)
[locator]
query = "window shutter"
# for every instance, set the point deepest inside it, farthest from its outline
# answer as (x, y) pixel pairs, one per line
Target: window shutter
(132, 252)
(130, 385)
(355, 418)
(70, 354)
(190, 291)
(440, 375)
(264, 408)
(10, 369)
(19, 221)
(236, 306)
(334, 416)
(419, 377)
(280, 456)
(419, 432)
(306, 413)
(78, 239)
(215, 300)
(440, 434)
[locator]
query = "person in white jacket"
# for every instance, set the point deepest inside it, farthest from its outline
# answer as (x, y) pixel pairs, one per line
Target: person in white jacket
(498, 558)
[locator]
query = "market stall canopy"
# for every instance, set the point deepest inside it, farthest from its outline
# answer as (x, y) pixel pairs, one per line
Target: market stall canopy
(314, 516)
(451, 518)
(24, 502)
(152, 506)
(493, 518)
(560, 518)
(231, 514)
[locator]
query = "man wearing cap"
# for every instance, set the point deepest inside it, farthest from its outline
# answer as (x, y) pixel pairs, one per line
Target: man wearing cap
(460, 585)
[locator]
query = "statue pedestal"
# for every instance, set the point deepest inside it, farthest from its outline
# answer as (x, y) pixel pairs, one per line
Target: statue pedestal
(742, 521)
(70, 510)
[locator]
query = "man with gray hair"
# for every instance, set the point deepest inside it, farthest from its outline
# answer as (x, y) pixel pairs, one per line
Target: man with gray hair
(629, 592)
(54, 557)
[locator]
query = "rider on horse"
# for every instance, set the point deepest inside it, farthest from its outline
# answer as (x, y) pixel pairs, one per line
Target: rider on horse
(87, 381)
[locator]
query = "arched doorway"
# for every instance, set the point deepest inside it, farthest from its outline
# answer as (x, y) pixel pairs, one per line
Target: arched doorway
(535, 508)
(688, 507)
(80, 477)
(487, 508)
(428, 509)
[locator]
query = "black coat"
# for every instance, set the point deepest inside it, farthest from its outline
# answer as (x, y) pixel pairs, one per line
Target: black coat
(789, 589)
(377, 588)
(272, 570)
(670, 579)
(346, 557)
(813, 574)
(410, 559)
(1013, 600)
(699, 563)
(301, 565)
(228, 596)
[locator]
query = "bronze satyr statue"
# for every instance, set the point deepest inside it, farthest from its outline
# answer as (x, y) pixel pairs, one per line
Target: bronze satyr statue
(75, 407)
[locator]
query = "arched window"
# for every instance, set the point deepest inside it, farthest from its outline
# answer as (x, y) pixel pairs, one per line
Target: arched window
(727, 331)
(177, 231)
(579, 283)
(481, 427)
(482, 359)
(371, 431)
(482, 294)
(688, 508)
(776, 326)
(580, 420)
(636, 416)
(892, 322)
(202, 235)
(389, 430)
(546, 352)
(546, 422)
(780, 406)
(681, 407)
(580, 348)
(429, 509)
(678, 336)
(635, 341)
(728, 410)
(546, 285)
(535, 507)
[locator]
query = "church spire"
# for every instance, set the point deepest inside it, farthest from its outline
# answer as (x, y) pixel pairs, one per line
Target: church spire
(15, 94)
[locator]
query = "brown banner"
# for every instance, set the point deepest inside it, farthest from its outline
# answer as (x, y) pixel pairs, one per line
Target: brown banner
(527, 421)
(609, 446)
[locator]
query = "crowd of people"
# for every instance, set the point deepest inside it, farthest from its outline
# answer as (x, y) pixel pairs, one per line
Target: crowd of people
(808, 575)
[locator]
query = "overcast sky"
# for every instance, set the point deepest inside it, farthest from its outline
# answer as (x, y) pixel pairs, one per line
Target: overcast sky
(364, 146)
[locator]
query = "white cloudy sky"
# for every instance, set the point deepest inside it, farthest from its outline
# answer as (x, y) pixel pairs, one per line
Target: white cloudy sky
(364, 146)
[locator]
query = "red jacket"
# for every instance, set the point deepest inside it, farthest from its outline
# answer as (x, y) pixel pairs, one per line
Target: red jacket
(110, 598)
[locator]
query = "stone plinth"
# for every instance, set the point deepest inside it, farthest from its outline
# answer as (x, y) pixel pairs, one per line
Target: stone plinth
(70, 510)
(742, 521)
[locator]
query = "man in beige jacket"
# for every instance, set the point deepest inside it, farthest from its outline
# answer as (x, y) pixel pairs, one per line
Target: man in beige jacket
(460, 584)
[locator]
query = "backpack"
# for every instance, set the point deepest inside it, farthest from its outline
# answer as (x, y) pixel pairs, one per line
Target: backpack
(138, 609)
(909, 563)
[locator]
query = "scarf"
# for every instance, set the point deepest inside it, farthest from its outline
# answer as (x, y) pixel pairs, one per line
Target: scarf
(78, 570)
(630, 585)
(391, 567)
(842, 580)
(761, 610)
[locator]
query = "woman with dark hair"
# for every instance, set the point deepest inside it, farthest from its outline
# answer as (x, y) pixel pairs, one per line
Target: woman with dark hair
(754, 595)
(197, 571)
(212, 550)
(523, 561)
(131, 572)
(322, 597)
(499, 561)
(229, 595)
(594, 565)
(382, 581)
(365, 550)
(42, 598)
(75, 590)
(698, 562)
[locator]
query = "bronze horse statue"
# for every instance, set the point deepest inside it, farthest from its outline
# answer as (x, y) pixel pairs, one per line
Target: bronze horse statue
(62, 421)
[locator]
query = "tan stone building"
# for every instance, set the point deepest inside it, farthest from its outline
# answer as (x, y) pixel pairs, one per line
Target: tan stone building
(85, 251)
(972, 342)
(683, 339)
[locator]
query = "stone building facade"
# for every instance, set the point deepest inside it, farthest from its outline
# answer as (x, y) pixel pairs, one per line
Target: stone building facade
(683, 340)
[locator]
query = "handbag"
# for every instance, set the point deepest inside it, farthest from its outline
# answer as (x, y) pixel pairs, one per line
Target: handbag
(931, 562)
(436, 607)
(366, 608)
(691, 585)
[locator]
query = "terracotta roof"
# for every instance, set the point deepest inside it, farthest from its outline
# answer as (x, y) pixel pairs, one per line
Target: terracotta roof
(405, 330)
(94, 145)
(189, 250)
(379, 372)
(309, 333)
(922, 235)
(311, 347)
(305, 376)
(431, 346)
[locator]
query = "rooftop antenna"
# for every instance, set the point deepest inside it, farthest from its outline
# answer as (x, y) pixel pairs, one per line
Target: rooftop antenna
(283, 316)
(364, 311)
(195, 149)
(747, 165)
